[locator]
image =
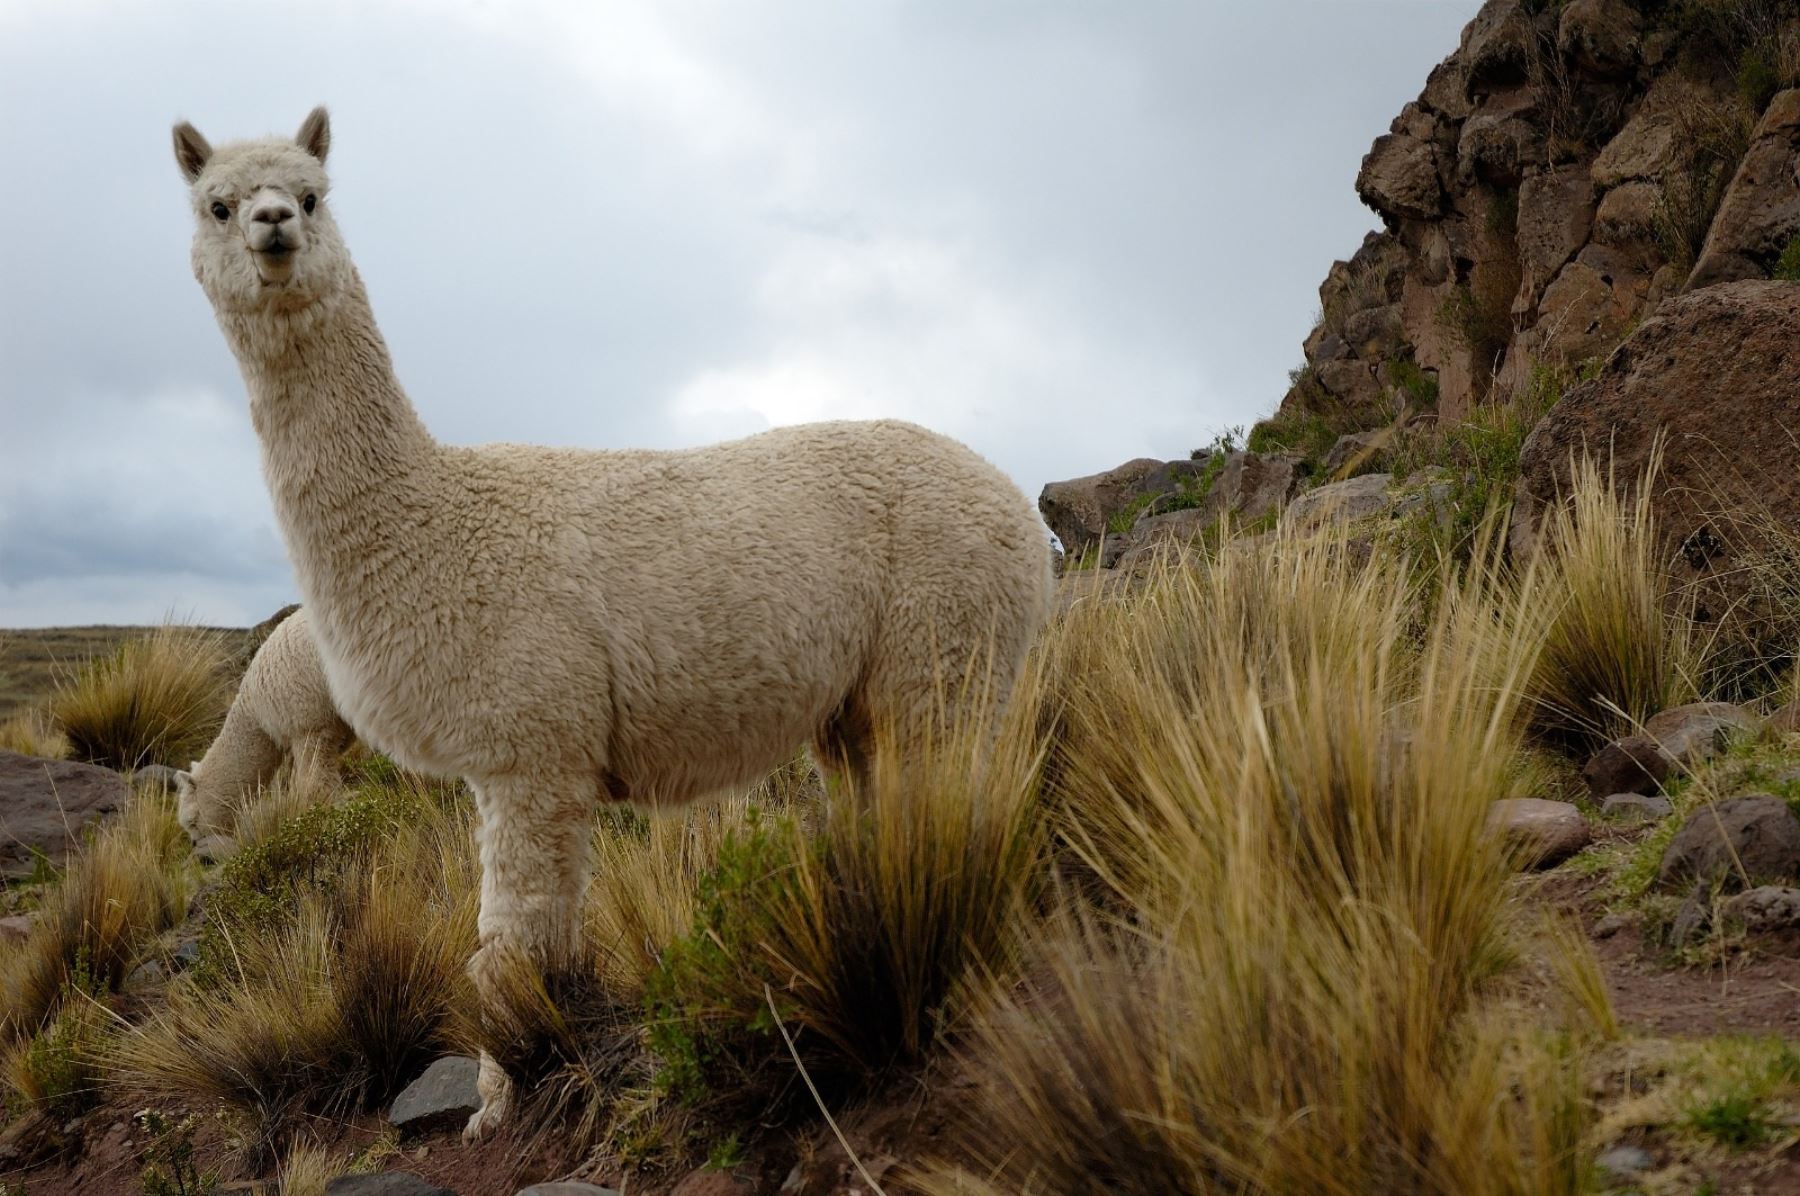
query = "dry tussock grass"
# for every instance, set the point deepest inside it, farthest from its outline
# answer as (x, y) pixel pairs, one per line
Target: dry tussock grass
(156, 698)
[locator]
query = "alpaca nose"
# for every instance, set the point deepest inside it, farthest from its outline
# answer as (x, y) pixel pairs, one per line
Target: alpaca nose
(273, 212)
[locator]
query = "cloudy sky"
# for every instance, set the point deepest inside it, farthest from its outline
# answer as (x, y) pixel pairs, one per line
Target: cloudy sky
(1068, 232)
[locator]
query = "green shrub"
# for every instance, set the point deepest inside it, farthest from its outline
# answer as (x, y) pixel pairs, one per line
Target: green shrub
(1787, 267)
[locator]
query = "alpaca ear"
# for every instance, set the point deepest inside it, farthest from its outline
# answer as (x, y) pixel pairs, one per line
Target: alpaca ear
(191, 151)
(315, 133)
(184, 780)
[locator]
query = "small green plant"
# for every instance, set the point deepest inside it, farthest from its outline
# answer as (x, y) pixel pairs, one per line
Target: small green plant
(56, 1071)
(1419, 387)
(1758, 77)
(1787, 266)
(1737, 1120)
(726, 1153)
(169, 1165)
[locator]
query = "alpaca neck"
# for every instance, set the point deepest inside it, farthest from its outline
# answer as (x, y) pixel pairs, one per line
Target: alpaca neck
(242, 759)
(342, 447)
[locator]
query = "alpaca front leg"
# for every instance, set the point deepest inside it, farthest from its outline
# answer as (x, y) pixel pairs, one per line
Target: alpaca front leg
(535, 840)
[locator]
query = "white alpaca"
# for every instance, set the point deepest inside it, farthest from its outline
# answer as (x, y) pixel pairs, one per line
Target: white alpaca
(282, 708)
(564, 627)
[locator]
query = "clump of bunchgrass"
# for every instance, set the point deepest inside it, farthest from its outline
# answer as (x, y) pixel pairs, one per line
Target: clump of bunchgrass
(1294, 980)
(121, 889)
(857, 937)
(156, 698)
(32, 732)
(333, 1002)
(1617, 652)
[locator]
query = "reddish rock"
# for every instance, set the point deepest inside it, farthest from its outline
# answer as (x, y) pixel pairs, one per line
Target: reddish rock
(46, 805)
(1761, 209)
(1541, 833)
(1634, 764)
(1693, 733)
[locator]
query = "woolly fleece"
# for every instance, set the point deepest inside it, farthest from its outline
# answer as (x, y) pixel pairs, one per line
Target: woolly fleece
(563, 626)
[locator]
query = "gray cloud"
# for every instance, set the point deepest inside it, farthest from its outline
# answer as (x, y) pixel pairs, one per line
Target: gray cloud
(1066, 233)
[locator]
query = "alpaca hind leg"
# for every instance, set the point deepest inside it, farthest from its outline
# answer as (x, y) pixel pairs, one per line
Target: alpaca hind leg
(534, 839)
(844, 747)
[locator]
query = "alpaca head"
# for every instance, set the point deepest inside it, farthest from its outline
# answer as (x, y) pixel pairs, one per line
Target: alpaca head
(201, 812)
(264, 240)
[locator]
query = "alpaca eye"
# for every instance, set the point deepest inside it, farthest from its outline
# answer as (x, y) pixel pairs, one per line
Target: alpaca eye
(309, 203)
(221, 211)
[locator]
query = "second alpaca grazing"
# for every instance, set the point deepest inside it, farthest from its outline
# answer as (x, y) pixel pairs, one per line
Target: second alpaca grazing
(282, 708)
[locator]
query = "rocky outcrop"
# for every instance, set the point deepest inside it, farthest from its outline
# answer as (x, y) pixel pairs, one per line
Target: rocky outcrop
(1083, 511)
(46, 805)
(1146, 505)
(1555, 180)
(1708, 383)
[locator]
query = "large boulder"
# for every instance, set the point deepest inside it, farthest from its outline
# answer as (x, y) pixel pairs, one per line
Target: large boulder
(1082, 511)
(1738, 843)
(1539, 833)
(46, 806)
(1399, 178)
(1711, 378)
(1761, 210)
(1600, 36)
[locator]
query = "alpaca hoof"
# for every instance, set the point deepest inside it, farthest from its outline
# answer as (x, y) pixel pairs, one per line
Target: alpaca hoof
(483, 1122)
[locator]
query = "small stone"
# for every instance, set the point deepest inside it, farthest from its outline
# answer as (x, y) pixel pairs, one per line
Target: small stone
(186, 954)
(1693, 918)
(567, 1188)
(1625, 1161)
(1543, 833)
(15, 929)
(1740, 842)
(1693, 733)
(1610, 925)
(1769, 907)
(146, 975)
(1634, 764)
(1635, 807)
(388, 1183)
(443, 1096)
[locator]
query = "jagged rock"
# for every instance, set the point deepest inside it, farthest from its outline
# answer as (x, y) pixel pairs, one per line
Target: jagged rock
(1761, 209)
(1080, 510)
(1610, 925)
(1341, 502)
(1496, 46)
(1636, 807)
(443, 1096)
(1751, 839)
(1253, 485)
(1634, 764)
(1601, 36)
(46, 806)
(1375, 330)
(1497, 148)
(1693, 733)
(1627, 213)
(1399, 178)
(1556, 213)
(1350, 380)
(1707, 380)
(1355, 451)
(1590, 305)
(388, 1183)
(1541, 833)
(1643, 149)
(1767, 907)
